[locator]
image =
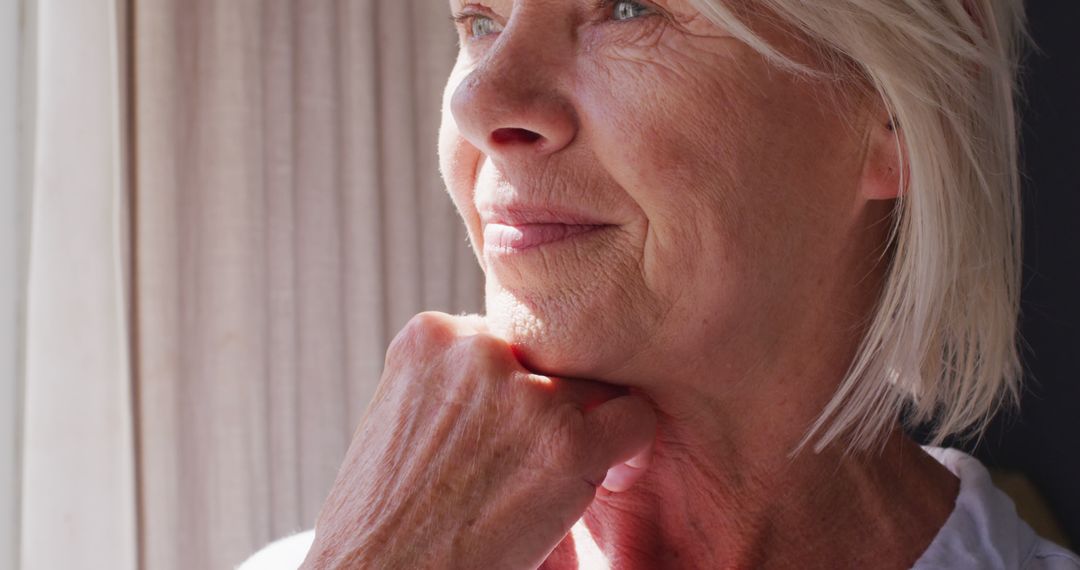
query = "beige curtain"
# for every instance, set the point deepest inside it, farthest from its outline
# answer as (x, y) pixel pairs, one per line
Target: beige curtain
(288, 219)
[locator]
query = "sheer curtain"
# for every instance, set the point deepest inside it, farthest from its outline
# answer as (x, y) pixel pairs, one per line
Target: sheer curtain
(236, 204)
(288, 219)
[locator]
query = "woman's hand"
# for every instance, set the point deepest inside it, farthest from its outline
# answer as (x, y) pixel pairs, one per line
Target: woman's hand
(466, 460)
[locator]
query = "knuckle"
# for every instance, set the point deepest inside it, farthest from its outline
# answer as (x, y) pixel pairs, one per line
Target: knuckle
(431, 325)
(485, 345)
(488, 357)
(423, 332)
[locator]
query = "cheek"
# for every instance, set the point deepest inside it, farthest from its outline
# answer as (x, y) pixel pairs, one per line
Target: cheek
(458, 163)
(677, 138)
(727, 156)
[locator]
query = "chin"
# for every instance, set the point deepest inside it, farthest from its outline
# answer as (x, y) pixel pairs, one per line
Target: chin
(560, 335)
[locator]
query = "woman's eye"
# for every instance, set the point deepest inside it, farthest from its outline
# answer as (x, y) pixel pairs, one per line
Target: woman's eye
(476, 25)
(480, 26)
(628, 9)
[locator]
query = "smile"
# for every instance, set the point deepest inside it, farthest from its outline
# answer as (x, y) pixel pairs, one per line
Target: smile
(503, 239)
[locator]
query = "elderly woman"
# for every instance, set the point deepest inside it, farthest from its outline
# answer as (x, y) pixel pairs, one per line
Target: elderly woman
(731, 248)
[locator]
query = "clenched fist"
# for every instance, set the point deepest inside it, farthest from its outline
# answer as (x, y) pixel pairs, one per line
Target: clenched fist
(465, 459)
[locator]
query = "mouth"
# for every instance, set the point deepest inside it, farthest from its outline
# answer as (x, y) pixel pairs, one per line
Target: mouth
(514, 228)
(501, 238)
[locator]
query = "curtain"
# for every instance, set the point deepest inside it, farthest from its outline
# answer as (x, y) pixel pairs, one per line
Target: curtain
(11, 40)
(288, 219)
(234, 206)
(77, 475)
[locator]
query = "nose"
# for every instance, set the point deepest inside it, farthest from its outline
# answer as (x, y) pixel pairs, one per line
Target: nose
(513, 103)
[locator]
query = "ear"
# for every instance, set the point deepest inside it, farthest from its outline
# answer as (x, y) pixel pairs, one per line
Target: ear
(885, 173)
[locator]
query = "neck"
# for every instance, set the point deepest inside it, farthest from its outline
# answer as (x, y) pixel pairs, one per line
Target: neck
(717, 496)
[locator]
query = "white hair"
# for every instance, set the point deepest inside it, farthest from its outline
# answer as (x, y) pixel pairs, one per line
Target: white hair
(941, 346)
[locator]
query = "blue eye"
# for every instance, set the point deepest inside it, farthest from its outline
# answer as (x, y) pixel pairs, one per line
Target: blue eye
(628, 9)
(476, 25)
(480, 26)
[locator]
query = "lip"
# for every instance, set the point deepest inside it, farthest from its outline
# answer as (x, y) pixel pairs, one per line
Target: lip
(524, 215)
(504, 238)
(515, 228)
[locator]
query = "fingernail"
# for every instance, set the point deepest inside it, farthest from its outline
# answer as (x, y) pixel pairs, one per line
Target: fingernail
(621, 477)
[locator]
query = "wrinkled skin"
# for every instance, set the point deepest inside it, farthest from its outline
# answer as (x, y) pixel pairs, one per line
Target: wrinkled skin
(737, 217)
(458, 446)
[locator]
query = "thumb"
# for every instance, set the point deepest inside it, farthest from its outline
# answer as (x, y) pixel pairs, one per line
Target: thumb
(623, 476)
(622, 431)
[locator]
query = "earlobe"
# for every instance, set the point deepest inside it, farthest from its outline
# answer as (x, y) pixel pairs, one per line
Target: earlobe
(885, 171)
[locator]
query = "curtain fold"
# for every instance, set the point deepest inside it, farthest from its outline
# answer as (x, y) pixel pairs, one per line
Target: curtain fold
(11, 238)
(289, 218)
(77, 475)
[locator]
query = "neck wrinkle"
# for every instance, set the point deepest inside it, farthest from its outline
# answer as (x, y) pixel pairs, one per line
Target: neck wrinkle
(708, 502)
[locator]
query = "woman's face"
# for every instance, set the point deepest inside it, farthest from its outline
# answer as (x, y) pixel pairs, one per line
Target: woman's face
(647, 194)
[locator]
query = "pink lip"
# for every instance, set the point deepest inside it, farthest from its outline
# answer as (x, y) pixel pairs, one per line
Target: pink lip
(508, 238)
(525, 215)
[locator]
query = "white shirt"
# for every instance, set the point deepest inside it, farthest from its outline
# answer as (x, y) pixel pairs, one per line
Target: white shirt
(982, 533)
(984, 530)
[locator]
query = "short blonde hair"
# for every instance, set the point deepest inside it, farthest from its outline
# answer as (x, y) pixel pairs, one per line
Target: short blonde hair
(942, 343)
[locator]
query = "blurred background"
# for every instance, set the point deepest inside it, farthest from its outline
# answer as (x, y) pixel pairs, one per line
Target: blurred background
(214, 214)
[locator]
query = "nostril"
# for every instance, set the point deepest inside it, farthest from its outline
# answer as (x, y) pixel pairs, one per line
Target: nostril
(514, 135)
